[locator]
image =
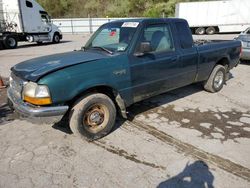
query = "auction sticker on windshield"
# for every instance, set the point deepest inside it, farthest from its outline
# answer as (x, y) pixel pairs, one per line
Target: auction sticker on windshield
(130, 24)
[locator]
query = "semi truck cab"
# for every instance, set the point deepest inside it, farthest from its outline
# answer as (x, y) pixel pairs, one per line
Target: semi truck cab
(25, 20)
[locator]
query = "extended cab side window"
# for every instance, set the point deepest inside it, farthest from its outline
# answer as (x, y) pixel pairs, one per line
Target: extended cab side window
(184, 34)
(158, 36)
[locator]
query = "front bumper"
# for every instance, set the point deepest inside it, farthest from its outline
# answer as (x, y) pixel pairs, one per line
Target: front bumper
(54, 114)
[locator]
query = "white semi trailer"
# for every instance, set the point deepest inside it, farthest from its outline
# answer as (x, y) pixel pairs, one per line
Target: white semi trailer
(25, 20)
(211, 17)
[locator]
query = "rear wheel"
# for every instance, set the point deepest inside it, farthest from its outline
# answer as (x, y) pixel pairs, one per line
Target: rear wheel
(200, 31)
(93, 116)
(216, 80)
(210, 30)
(10, 42)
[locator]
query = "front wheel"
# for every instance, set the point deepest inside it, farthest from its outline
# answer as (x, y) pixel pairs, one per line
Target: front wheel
(93, 116)
(216, 79)
(56, 38)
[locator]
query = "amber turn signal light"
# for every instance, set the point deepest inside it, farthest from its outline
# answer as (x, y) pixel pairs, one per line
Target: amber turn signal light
(38, 101)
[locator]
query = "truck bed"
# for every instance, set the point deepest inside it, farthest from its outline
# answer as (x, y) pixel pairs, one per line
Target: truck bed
(212, 51)
(204, 41)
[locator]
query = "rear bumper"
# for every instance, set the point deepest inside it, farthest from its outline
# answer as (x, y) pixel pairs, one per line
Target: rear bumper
(51, 114)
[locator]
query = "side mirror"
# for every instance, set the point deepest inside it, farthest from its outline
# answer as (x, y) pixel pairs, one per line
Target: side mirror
(144, 48)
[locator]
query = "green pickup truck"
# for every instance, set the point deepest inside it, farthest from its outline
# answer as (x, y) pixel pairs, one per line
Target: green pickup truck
(124, 62)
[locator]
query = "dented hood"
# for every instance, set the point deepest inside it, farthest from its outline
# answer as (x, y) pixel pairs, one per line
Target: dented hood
(36, 68)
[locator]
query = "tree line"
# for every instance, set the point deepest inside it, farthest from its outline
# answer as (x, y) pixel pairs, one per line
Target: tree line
(110, 8)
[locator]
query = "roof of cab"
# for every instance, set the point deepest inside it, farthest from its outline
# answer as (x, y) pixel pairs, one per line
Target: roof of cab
(151, 20)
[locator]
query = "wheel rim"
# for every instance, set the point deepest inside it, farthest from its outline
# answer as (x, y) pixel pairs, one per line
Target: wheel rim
(95, 118)
(11, 42)
(57, 38)
(201, 31)
(218, 80)
(210, 31)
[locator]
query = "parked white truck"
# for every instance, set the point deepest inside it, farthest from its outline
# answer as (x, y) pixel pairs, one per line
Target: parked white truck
(215, 16)
(25, 20)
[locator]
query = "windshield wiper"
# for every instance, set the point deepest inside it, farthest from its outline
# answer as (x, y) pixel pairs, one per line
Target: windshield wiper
(102, 48)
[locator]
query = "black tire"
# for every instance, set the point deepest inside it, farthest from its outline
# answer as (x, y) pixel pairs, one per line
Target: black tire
(100, 108)
(210, 30)
(216, 79)
(56, 38)
(1, 45)
(10, 42)
(200, 31)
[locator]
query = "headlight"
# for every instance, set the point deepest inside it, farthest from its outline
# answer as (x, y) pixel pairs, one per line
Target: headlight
(36, 94)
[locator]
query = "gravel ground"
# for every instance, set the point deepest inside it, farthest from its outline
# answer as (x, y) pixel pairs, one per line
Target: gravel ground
(184, 138)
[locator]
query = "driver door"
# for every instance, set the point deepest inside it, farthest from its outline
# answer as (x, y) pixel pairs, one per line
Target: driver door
(157, 71)
(46, 25)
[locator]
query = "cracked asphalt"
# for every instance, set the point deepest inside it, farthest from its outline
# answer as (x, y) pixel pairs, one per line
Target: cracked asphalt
(184, 138)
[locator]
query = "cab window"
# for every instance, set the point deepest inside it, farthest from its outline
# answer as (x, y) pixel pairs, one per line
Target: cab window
(158, 36)
(29, 4)
(45, 18)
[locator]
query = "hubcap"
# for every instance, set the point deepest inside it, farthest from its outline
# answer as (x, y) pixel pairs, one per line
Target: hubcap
(94, 118)
(218, 80)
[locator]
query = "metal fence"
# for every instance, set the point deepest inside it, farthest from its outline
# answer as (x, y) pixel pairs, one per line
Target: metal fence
(81, 25)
